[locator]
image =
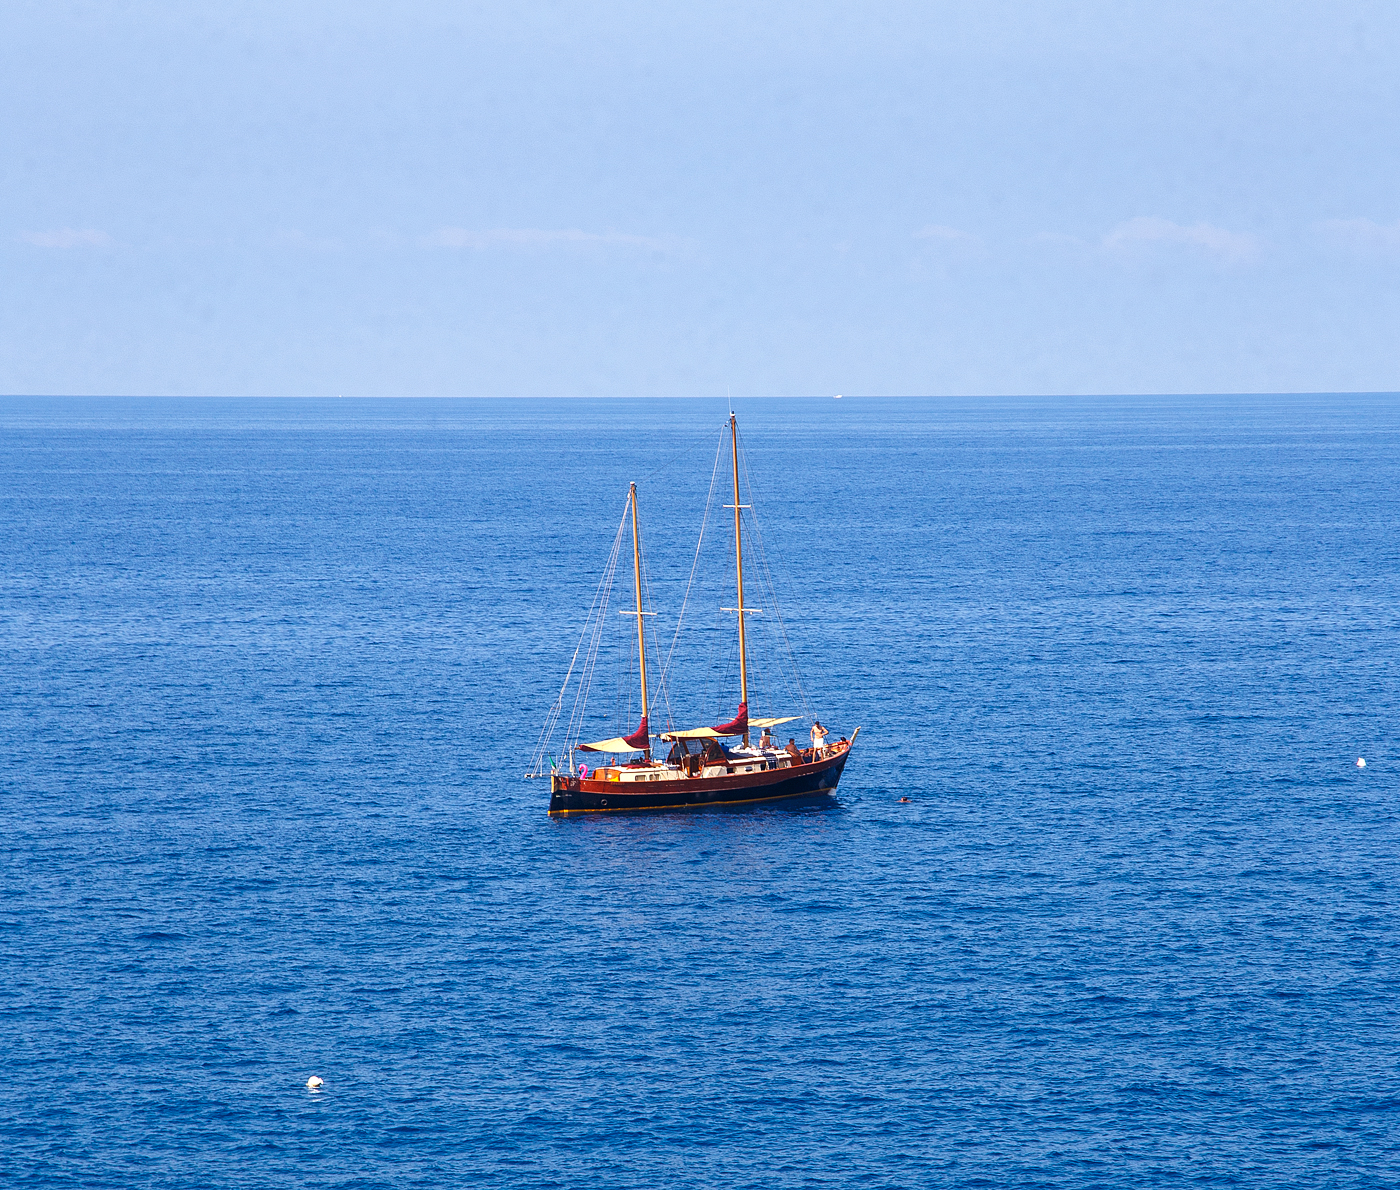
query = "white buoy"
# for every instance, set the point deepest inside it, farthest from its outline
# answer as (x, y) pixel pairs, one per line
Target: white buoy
(314, 1083)
(1361, 762)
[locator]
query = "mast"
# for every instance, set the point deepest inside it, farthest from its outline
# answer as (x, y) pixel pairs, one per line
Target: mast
(641, 635)
(739, 571)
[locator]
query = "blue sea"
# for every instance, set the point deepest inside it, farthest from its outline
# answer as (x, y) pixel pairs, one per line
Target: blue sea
(273, 669)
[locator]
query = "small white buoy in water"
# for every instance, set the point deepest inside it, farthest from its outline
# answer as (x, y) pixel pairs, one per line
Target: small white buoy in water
(314, 1083)
(1361, 762)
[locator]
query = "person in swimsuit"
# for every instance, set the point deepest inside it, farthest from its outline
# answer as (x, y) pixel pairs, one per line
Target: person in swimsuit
(818, 737)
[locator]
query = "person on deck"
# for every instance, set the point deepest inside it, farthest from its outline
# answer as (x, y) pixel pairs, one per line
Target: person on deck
(818, 737)
(766, 739)
(794, 751)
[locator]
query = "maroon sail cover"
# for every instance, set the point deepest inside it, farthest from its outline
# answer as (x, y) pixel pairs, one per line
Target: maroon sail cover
(639, 738)
(738, 725)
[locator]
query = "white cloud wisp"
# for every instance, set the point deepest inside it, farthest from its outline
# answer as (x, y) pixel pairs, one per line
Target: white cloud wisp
(1215, 241)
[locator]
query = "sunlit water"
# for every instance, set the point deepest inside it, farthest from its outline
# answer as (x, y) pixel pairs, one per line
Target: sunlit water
(272, 671)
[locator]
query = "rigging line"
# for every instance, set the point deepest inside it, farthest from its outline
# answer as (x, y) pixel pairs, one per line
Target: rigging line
(766, 577)
(681, 452)
(626, 687)
(772, 589)
(709, 501)
(706, 674)
(588, 645)
(660, 682)
(580, 707)
(552, 718)
(782, 625)
(580, 714)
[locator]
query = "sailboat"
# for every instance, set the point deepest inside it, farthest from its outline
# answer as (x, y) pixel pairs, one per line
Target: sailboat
(699, 769)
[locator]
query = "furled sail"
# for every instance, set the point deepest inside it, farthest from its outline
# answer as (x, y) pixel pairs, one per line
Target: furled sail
(737, 725)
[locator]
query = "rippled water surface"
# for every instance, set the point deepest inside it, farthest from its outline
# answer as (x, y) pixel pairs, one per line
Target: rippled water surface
(272, 670)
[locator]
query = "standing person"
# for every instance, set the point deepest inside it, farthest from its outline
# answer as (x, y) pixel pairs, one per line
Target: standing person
(818, 737)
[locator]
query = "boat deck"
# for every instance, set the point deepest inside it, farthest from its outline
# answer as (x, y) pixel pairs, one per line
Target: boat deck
(749, 762)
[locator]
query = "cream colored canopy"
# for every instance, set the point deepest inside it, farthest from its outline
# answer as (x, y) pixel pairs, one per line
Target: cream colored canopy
(616, 744)
(709, 733)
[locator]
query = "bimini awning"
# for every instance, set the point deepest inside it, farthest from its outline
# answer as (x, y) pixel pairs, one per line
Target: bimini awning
(638, 741)
(714, 733)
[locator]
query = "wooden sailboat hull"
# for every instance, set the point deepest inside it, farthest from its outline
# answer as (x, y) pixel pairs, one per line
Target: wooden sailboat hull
(570, 795)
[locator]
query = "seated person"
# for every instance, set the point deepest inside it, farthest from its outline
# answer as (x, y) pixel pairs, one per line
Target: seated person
(794, 751)
(766, 739)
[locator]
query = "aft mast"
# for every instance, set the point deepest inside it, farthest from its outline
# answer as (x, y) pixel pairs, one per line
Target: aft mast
(739, 571)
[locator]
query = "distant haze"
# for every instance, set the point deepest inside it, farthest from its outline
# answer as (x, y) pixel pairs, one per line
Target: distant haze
(628, 198)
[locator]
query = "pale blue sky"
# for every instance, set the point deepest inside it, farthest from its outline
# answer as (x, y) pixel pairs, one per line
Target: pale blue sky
(640, 198)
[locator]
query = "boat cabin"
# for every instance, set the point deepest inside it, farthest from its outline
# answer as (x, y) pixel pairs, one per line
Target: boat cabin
(750, 760)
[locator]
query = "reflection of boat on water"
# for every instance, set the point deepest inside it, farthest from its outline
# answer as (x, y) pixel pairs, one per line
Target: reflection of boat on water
(699, 768)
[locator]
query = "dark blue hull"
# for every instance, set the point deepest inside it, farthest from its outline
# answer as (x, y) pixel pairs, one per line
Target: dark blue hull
(575, 796)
